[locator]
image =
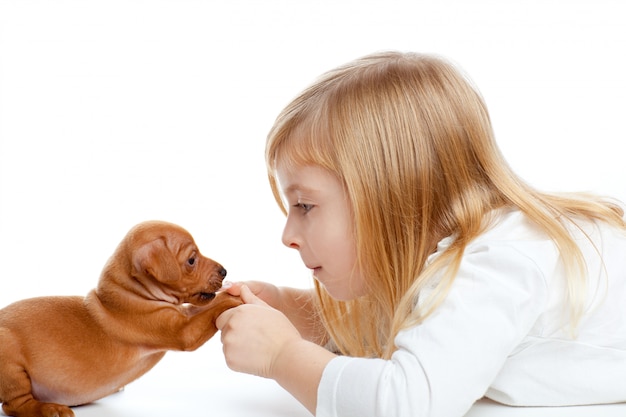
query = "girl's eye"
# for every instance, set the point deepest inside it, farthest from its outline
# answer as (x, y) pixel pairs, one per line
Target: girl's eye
(305, 207)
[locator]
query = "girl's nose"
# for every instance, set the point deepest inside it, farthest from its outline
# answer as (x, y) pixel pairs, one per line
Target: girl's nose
(290, 237)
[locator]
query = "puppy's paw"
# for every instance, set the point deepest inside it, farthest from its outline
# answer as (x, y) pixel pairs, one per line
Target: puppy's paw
(223, 301)
(55, 410)
(34, 408)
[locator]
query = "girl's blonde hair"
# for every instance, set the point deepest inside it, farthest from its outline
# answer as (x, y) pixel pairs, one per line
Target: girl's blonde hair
(411, 140)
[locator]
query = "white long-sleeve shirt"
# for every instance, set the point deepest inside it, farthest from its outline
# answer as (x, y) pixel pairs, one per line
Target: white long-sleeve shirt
(502, 332)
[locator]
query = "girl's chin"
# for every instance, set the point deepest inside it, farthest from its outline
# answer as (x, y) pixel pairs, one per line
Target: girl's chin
(337, 289)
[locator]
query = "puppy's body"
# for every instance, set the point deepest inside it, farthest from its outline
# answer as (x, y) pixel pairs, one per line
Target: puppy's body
(69, 369)
(156, 293)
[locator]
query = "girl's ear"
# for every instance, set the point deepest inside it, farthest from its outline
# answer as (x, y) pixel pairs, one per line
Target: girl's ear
(155, 260)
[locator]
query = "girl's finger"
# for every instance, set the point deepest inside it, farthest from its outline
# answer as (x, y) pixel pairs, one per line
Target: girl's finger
(248, 296)
(232, 288)
(222, 319)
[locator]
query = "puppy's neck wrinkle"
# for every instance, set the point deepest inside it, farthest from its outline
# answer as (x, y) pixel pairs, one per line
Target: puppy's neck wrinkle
(113, 294)
(149, 290)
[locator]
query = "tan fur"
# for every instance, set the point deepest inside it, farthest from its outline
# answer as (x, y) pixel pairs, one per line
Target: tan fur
(57, 352)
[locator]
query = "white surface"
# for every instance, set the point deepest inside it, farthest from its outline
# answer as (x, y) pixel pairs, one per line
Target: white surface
(200, 384)
(486, 408)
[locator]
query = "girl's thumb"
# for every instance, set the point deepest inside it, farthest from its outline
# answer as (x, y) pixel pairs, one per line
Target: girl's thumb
(248, 296)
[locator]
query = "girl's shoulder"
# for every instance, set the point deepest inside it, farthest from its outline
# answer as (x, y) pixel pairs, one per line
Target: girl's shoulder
(511, 232)
(504, 229)
(511, 226)
(511, 237)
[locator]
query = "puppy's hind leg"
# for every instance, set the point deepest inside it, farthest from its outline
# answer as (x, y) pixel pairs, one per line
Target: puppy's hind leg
(15, 387)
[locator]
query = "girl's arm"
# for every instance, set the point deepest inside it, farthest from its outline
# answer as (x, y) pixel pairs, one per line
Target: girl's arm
(261, 340)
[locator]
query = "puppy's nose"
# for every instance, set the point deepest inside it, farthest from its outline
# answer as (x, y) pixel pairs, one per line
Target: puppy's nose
(222, 272)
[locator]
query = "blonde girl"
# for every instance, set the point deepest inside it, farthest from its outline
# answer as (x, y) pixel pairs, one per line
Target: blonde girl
(440, 276)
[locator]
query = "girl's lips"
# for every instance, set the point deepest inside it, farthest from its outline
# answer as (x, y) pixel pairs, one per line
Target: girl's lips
(312, 268)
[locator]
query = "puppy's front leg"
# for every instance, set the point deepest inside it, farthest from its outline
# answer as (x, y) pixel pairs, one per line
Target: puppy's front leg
(201, 326)
(15, 384)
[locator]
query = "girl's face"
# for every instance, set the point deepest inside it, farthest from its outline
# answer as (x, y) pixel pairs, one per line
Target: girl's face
(320, 226)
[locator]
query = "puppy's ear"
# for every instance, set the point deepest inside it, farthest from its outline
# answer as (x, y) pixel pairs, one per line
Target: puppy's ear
(155, 259)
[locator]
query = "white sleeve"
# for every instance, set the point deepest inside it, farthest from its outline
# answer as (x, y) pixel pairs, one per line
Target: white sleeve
(444, 365)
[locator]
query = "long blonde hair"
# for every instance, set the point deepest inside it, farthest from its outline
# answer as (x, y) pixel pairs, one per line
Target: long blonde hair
(411, 140)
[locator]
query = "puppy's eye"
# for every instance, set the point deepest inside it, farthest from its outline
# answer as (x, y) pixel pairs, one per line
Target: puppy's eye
(191, 261)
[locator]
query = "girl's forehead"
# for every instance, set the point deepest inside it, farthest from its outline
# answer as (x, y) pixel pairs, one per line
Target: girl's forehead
(304, 178)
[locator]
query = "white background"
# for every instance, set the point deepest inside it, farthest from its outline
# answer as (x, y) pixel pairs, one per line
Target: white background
(113, 112)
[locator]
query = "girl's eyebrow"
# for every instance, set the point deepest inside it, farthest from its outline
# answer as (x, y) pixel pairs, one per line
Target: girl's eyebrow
(298, 187)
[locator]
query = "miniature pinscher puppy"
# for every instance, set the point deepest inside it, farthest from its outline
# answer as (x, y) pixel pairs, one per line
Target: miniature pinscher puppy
(156, 293)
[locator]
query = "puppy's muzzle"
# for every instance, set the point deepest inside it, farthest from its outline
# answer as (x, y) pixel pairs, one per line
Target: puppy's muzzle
(208, 296)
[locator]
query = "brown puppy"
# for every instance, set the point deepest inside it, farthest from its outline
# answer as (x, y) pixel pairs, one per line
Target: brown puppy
(156, 293)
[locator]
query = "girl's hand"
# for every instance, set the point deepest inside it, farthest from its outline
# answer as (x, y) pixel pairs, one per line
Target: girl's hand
(263, 290)
(296, 304)
(261, 340)
(254, 334)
